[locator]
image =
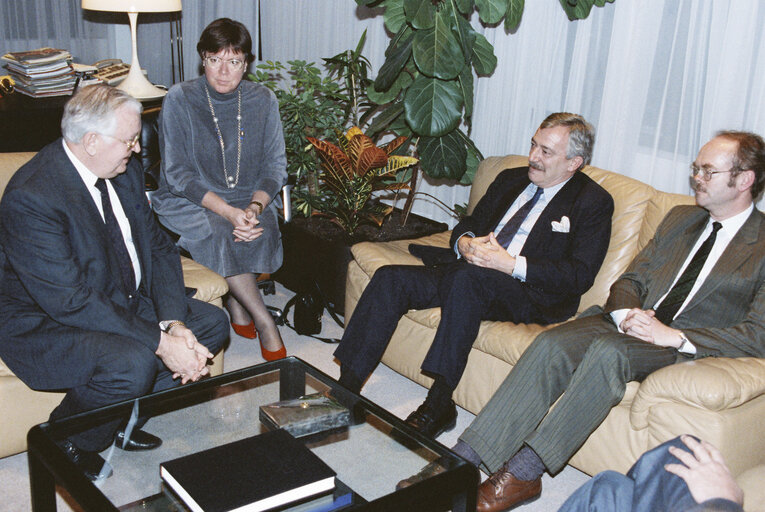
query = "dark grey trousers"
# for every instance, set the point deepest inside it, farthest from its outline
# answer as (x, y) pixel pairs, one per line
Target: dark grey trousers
(588, 359)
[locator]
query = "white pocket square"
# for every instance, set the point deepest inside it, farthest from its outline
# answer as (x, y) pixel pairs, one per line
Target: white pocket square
(561, 226)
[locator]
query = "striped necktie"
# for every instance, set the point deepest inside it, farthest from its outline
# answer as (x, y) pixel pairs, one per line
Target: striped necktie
(514, 224)
(677, 295)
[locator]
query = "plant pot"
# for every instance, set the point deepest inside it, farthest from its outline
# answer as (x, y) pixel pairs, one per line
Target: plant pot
(317, 251)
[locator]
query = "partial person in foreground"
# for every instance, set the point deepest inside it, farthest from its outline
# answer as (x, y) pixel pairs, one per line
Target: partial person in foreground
(696, 290)
(669, 477)
(92, 299)
(223, 163)
(531, 247)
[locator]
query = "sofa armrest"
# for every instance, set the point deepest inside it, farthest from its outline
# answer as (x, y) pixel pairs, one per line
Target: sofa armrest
(714, 384)
(211, 287)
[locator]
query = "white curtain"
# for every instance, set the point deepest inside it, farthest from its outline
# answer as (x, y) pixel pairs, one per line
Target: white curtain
(657, 77)
(29, 24)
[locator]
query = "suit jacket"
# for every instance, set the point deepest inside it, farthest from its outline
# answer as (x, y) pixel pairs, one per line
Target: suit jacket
(560, 266)
(59, 273)
(726, 317)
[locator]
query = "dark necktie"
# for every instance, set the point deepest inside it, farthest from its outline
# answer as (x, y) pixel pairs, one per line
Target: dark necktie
(116, 238)
(514, 224)
(677, 295)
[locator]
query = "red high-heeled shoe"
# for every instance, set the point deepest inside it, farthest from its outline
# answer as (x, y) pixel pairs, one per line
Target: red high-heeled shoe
(273, 355)
(246, 331)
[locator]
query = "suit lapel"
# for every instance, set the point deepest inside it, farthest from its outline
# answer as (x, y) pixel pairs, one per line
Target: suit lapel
(554, 211)
(129, 204)
(77, 193)
(738, 251)
(504, 204)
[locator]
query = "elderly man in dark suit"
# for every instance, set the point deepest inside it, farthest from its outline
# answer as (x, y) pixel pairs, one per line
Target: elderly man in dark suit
(91, 297)
(696, 290)
(529, 250)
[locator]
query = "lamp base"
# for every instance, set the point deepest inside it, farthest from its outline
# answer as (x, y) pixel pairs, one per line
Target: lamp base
(136, 85)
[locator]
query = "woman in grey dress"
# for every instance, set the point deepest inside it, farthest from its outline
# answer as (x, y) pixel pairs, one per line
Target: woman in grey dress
(223, 162)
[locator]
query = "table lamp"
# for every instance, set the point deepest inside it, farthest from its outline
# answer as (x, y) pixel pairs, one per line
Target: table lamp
(135, 83)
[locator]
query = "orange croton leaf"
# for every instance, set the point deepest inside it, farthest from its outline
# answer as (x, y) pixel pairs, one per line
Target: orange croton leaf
(334, 159)
(364, 154)
(394, 144)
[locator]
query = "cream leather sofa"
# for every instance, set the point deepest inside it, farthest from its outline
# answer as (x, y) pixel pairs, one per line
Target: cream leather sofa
(20, 407)
(719, 400)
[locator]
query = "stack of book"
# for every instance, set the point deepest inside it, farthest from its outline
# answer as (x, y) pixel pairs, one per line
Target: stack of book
(41, 72)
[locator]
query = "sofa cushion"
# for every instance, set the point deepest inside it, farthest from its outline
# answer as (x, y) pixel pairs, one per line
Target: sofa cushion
(9, 163)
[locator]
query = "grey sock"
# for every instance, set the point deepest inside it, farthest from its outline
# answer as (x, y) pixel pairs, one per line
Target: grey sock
(466, 452)
(525, 465)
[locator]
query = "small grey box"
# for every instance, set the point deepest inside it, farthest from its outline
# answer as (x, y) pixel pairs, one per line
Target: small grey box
(306, 415)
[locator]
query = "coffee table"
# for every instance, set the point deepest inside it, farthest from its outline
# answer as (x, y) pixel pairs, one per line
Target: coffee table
(370, 456)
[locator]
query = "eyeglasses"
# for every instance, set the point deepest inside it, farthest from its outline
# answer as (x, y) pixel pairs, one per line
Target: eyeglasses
(705, 174)
(129, 143)
(216, 62)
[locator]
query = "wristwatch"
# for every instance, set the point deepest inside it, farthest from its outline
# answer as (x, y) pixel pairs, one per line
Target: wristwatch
(685, 341)
(166, 325)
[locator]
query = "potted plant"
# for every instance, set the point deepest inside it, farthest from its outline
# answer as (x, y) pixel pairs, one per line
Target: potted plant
(351, 172)
(424, 88)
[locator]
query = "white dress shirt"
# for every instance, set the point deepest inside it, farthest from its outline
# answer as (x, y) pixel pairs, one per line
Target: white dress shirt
(90, 182)
(729, 229)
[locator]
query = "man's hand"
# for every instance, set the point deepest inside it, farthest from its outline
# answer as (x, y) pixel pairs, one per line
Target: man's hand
(642, 324)
(705, 472)
(484, 251)
(183, 355)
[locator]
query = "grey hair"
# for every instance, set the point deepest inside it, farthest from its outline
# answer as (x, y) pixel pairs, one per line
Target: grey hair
(581, 134)
(93, 109)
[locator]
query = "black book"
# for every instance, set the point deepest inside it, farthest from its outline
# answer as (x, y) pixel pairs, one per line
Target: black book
(253, 474)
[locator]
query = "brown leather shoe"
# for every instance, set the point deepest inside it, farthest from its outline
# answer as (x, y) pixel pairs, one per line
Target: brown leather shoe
(502, 491)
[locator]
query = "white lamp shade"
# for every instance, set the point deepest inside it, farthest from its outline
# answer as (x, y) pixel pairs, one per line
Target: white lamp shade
(132, 5)
(135, 83)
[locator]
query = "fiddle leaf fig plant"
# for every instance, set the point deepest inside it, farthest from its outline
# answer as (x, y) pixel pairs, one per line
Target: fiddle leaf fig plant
(351, 171)
(424, 88)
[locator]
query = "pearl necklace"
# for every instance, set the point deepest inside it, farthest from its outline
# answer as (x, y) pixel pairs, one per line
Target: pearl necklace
(231, 181)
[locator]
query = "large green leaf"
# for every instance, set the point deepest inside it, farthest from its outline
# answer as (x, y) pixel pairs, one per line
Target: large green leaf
(419, 14)
(471, 166)
(513, 15)
(464, 6)
(580, 9)
(466, 35)
(433, 107)
(381, 97)
(466, 85)
(443, 157)
(437, 51)
(394, 16)
(397, 56)
(484, 60)
(491, 11)
(384, 119)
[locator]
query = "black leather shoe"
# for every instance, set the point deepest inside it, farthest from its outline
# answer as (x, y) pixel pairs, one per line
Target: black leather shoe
(139, 441)
(89, 463)
(432, 422)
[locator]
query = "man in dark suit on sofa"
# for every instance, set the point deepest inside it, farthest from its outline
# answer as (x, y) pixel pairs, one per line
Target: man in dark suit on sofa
(696, 290)
(526, 254)
(91, 293)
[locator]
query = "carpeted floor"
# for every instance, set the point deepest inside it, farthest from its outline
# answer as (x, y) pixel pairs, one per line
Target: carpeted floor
(385, 387)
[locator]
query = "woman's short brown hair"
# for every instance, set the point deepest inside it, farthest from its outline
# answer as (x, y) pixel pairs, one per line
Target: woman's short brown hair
(225, 33)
